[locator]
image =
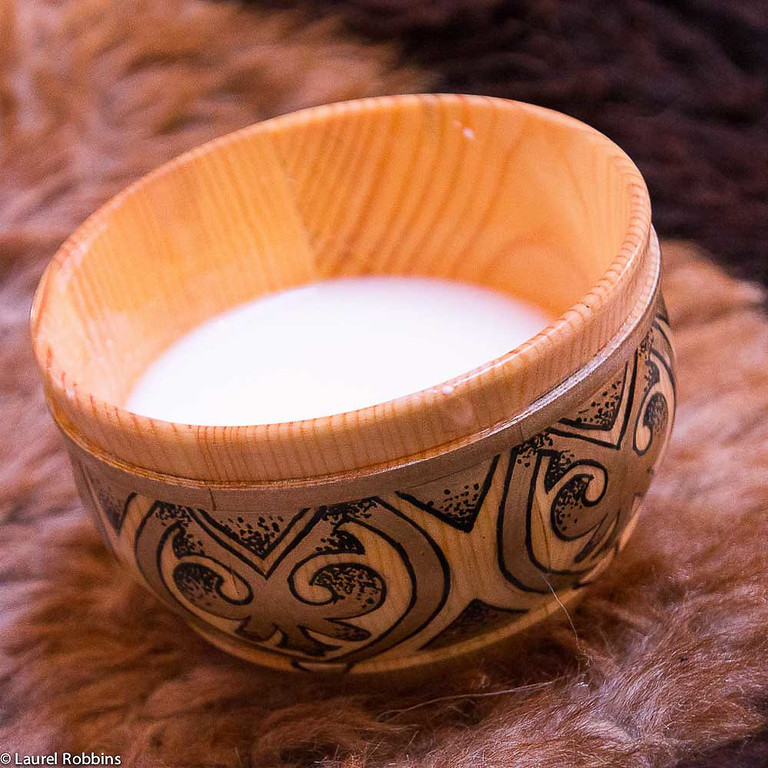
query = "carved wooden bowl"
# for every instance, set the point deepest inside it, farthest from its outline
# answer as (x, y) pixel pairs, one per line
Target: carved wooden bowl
(415, 530)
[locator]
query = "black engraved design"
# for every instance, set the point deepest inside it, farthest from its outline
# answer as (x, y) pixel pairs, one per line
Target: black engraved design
(602, 411)
(658, 392)
(334, 586)
(304, 596)
(259, 533)
(567, 495)
(113, 508)
(581, 487)
(455, 500)
(603, 420)
(477, 618)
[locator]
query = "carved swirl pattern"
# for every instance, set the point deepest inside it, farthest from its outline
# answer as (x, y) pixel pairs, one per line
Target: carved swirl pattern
(571, 490)
(421, 573)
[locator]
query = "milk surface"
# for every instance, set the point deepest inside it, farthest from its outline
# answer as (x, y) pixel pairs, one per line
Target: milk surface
(330, 347)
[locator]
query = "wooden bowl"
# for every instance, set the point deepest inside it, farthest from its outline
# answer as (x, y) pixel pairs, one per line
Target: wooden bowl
(414, 530)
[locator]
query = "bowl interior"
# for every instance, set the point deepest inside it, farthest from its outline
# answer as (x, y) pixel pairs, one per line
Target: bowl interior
(510, 197)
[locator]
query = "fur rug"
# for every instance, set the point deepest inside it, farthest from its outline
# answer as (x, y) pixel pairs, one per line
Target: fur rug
(664, 662)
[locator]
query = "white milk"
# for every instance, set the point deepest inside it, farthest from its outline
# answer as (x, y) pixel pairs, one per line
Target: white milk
(331, 347)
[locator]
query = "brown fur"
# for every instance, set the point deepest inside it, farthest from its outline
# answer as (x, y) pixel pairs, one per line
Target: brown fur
(665, 659)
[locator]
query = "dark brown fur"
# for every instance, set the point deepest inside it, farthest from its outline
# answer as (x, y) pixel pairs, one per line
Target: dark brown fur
(664, 660)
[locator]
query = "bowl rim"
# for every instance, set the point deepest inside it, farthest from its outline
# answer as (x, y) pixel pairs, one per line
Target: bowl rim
(431, 466)
(360, 440)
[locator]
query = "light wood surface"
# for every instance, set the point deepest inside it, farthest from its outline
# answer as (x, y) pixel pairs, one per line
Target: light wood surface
(387, 572)
(493, 192)
(417, 530)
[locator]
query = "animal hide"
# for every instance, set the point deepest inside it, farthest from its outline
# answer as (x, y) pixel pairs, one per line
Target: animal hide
(663, 661)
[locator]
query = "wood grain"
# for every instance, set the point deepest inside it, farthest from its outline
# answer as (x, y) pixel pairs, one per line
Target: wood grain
(493, 192)
(416, 530)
